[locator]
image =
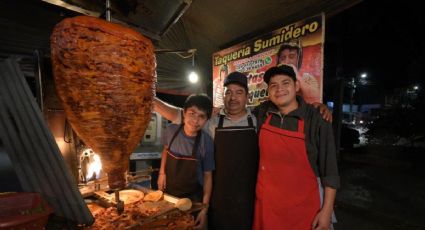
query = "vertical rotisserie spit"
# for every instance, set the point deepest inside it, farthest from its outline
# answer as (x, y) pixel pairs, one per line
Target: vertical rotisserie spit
(105, 76)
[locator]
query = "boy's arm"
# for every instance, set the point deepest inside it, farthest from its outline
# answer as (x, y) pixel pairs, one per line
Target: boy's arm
(162, 181)
(207, 187)
(324, 216)
(170, 112)
(201, 219)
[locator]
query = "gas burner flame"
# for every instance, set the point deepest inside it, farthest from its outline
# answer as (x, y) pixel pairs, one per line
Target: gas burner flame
(91, 166)
(94, 168)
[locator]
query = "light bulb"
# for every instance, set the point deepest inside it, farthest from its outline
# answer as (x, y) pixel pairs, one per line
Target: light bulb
(193, 77)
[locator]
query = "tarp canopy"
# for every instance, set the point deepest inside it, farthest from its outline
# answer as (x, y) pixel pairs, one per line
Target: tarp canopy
(205, 25)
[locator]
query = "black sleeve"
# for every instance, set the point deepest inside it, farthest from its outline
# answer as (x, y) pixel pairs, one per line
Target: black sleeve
(260, 112)
(328, 167)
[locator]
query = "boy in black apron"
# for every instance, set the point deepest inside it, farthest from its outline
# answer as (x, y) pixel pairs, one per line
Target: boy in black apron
(188, 156)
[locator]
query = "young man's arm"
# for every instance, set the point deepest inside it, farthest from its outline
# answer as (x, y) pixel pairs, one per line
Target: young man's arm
(323, 219)
(162, 179)
(170, 112)
(329, 176)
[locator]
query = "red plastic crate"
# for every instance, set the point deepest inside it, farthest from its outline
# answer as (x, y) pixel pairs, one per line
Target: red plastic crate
(23, 211)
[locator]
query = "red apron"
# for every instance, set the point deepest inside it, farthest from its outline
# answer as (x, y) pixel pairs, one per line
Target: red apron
(287, 195)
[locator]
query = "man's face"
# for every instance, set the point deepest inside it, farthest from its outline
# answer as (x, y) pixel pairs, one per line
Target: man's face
(289, 56)
(235, 98)
(282, 90)
(194, 119)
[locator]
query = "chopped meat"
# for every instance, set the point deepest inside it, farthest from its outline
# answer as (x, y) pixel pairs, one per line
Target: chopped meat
(105, 76)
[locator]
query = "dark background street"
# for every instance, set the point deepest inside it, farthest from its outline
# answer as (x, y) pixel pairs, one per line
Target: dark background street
(383, 187)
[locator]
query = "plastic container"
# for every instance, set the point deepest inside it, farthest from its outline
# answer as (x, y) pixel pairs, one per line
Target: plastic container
(23, 211)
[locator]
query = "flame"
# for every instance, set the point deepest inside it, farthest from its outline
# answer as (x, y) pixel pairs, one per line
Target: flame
(94, 167)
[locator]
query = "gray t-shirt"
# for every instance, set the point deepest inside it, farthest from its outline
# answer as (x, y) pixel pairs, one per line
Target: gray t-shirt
(183, 146)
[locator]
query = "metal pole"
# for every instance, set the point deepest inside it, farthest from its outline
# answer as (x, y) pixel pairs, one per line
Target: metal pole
(353, 90)
(38, 73)
(337, 113)
(108, 10)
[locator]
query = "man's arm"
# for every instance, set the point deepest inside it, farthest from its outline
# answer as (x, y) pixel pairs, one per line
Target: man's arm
(324, 110)
(322, 221)
(329, 175)
(170, 112)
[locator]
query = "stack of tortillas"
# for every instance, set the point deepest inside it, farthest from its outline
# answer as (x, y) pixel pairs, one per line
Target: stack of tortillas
(184, 204)
(153, 196)
(129, 196)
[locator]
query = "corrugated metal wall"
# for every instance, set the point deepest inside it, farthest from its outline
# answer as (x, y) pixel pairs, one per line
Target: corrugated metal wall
(32, 149)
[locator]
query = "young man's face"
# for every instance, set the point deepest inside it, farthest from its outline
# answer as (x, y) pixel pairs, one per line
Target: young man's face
(289, 56)
(194, 119)
(282, 90)
(235, 98)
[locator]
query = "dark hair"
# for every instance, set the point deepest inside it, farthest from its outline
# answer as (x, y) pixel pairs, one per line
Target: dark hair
(280, 70)
(237, 78)
(201, 101)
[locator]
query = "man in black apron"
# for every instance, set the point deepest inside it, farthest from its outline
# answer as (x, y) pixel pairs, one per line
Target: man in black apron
(236, 157)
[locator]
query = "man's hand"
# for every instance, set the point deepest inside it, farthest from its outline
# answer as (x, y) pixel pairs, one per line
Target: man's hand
(324, 110)
(201, 219)
(322, 221)
(161, 182)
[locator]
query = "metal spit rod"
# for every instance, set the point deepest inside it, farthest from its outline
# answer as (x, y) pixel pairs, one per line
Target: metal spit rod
(108, 10)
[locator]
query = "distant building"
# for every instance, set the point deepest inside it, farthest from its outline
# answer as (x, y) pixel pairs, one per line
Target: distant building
(363, 112)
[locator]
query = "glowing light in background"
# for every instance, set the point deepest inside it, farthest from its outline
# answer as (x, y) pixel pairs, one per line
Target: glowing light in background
(193, 77)
(94, 167)
(90, 166)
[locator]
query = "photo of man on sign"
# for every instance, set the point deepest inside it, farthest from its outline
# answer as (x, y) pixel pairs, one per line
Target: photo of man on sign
(291, 53)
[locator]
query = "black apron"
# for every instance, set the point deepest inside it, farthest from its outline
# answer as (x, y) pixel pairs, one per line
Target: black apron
(181, 172)
(235, 176)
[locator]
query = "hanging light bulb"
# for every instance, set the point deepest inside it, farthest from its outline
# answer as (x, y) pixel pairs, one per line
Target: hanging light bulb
(193, 76)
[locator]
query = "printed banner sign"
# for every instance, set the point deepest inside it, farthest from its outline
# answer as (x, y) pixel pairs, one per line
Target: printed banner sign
(299, 44)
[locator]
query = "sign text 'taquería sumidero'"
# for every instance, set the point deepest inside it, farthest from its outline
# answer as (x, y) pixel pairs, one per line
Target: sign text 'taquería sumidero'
(299, 44)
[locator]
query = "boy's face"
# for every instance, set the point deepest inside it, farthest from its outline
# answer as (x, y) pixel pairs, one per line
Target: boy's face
(282, 90)
(194, 119)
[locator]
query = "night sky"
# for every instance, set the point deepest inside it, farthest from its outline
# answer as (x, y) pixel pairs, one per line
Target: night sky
(384, 39)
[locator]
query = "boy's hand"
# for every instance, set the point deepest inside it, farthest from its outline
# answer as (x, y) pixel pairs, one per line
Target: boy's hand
(161, 182)
(215, 111)
(201, 219)
(324, 110)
